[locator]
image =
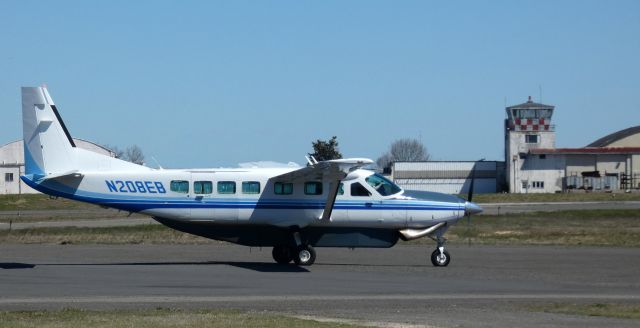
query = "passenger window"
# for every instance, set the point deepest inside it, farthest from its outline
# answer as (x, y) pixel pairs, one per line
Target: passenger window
(180, 186)
(202, 187)
(250, 187)
(341, 189)
(226, 187)
(359, 190)
(313, 188)
(282, 188)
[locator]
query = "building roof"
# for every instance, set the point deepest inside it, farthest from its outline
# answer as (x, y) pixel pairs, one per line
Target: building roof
(587, 150)
(531, 105)
(611, 138)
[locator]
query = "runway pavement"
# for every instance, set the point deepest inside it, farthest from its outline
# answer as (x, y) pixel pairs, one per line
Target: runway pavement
(483, 286)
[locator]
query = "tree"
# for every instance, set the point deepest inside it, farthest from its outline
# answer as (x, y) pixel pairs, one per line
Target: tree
(404, 150)
(117, 152)
(326, 150)
(134, 154)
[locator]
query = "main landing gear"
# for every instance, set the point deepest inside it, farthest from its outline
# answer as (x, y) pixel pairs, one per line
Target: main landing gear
(298, 251)
(303, 255)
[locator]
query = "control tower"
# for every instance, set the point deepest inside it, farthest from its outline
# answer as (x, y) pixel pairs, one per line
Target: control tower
(527, 126)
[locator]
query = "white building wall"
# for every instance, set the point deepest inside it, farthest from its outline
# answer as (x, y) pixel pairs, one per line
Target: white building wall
(517, 145)
(448, 177)
(541, 175)
(611, 164)
(12, 161)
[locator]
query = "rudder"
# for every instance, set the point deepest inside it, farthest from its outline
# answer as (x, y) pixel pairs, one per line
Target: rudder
(48, 146)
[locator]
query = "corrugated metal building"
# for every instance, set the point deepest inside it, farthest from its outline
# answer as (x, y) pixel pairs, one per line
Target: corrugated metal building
(12, 165)
(449, 177)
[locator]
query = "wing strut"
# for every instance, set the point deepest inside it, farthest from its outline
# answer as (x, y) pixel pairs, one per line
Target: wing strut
(331, 200)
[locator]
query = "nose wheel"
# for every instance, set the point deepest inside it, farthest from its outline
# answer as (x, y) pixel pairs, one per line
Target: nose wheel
(440, 257)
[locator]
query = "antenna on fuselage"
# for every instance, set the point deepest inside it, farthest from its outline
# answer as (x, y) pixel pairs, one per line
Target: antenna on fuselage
(311, 160)
(470, 198)
(157, 163)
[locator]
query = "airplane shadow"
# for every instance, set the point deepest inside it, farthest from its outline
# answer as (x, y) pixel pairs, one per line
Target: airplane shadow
(255, 266)
(373, 265)
(17, 266)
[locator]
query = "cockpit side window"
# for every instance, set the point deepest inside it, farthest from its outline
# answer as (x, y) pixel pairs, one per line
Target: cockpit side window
(382, 185)
(359, 190)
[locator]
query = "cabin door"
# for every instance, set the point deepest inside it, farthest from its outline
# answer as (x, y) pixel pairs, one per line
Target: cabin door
(201, 191)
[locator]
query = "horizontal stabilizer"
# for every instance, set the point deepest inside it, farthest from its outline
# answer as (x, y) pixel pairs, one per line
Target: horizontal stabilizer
(70, 174)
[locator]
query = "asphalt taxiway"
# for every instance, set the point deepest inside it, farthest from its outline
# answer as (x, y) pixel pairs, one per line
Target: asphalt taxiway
(483, 286)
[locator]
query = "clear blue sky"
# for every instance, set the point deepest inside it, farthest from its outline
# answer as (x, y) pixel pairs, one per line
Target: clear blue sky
(207, 84)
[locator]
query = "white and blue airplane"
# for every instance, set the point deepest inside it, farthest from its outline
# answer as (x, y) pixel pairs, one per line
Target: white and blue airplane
(331, 203)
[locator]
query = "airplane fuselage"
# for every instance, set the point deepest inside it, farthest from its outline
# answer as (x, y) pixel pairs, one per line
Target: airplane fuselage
(242, 198)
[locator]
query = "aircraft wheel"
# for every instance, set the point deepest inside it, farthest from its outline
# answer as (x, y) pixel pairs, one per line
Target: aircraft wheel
(304, 255)
(440, 259)
(282, 254)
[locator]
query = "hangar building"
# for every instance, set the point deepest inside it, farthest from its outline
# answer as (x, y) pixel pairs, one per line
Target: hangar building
(535, 165)
(532, 162)
(12, 165)
(449, 177)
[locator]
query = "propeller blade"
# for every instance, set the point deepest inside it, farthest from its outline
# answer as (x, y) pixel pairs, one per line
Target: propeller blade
(473, 179)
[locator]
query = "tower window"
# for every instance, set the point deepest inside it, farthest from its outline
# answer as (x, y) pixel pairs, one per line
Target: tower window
(8, 177)
(531, 138)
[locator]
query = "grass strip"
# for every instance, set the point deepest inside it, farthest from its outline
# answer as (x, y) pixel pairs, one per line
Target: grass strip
(138, 234)
(155, 318)
(564, 228)
(561, 197)
(611, 310)
(567, 228)
(39, 202)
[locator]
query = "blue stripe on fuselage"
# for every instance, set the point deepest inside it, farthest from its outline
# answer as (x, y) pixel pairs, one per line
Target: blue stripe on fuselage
(140, 204)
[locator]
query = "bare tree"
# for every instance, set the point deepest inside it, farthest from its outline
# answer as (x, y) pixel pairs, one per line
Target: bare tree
(404, 150)
(134, 154)
(118, 153)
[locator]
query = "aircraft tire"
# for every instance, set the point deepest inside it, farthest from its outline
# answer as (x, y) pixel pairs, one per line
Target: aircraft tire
(282, 254)
(439, 261)
(305, 255)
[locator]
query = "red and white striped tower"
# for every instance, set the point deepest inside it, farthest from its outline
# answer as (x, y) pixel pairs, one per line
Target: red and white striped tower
(527, 126)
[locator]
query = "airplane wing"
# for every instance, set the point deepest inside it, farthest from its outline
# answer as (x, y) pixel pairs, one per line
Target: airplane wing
(332, 170)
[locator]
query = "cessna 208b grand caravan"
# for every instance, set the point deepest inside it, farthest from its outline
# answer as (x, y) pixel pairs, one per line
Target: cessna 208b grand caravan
(331, 203)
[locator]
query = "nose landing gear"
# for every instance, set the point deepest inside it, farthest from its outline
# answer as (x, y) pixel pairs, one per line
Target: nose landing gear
(440, 257)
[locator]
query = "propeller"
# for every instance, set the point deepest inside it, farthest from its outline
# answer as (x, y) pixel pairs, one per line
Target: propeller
(471, 208)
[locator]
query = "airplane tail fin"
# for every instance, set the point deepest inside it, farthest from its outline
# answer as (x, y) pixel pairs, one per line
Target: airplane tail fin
(48, 146)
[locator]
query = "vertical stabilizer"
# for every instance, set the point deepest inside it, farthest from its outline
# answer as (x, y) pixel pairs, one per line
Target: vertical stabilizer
(48, 146)
(49, 149)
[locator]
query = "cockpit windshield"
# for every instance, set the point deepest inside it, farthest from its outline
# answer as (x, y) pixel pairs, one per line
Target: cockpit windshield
(382, 185)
